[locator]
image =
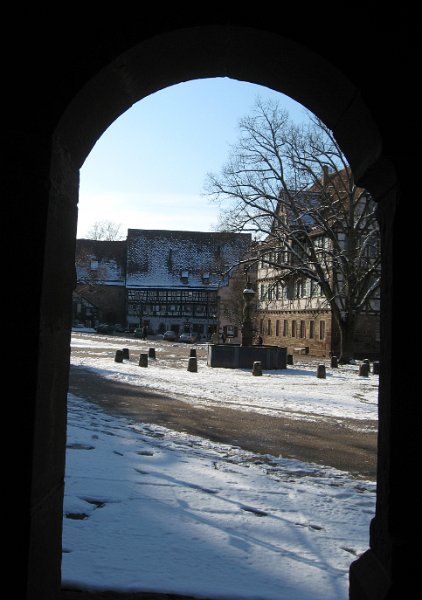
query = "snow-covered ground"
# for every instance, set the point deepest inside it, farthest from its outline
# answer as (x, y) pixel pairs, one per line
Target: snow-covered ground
(295, 391)
(150, 509)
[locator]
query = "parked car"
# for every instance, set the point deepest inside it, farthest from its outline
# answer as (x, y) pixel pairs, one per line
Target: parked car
(104, 328)
(170, 336)
(188, 338)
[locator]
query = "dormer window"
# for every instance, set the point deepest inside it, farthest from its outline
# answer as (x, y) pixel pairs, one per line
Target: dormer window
(94, 264)
(184, 276)
(206, 277)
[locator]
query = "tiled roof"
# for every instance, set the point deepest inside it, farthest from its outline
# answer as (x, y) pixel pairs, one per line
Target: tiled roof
(161, 258)
(111, 257)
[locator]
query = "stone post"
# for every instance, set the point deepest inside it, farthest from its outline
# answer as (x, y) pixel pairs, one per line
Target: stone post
(376, 367)
(193, 364)
(126, 353)
(151, 353)
(192, 352)
(334, 362)
(118, 356)
(143, 360)
(364, 369)
(321, 373)
(257, 368)
(290, 359)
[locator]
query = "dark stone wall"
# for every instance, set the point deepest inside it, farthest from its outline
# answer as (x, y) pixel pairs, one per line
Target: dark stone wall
(66, 78)
(234, 356)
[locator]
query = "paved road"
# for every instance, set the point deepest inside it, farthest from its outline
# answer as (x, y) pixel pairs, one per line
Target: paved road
(328, 442)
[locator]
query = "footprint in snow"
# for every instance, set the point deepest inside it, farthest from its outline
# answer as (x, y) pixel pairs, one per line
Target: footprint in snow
(255, 511)
(79, 446)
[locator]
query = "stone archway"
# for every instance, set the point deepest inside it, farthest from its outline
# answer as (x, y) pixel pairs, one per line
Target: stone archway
(240, 53)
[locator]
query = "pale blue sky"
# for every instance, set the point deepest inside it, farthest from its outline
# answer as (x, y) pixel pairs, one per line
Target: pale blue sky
(147, 171)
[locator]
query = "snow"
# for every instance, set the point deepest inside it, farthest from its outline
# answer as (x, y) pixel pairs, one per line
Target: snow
(156, 258)
(150, 509)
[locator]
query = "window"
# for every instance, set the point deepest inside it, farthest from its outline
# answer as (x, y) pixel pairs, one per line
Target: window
(94, 264)
(285, 328)
(173, 296)
(290, 290)
(230, 330)
(294, 328)
(302, 329)
(277, 328)
(311, 329)
(262, 293)
(322, 330)
(308, 287)
(269, 329)
(316, 289)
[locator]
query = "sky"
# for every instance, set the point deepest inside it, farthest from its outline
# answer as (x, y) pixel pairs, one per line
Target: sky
(148, 169)
(150, 509)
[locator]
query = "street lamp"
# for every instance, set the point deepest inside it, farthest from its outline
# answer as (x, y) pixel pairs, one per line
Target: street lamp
(247, 331)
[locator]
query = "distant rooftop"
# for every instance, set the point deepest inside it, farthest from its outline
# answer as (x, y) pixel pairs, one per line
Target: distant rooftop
(162, 258)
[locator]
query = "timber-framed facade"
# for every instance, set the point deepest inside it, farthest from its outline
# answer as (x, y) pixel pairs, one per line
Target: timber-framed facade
(293, 305)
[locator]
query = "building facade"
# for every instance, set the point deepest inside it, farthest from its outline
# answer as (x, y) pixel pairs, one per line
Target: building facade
(164, 280)
(100, 293)
(292, 312)
(323, 258)
(174, 278)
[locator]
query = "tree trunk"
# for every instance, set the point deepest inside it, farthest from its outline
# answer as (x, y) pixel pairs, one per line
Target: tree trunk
(347, 335)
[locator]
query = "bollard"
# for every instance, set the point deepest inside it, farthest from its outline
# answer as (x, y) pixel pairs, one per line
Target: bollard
(151, 352)
(193, 364)
(118, 356)
(125, 353)
(321, 374)
(376, 367)
(334, 362)
(143, 360)
(257, 368)
(364, 369)
(290, 359)
(192, 352)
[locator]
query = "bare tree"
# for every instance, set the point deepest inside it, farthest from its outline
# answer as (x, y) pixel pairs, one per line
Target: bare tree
(105, 230)
(292, 187)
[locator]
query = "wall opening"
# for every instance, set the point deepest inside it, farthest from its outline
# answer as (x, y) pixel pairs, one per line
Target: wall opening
(91, 504)
(199, 52)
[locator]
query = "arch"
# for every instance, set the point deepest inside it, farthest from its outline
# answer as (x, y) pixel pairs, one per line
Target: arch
(246, 54)
(242, 53)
